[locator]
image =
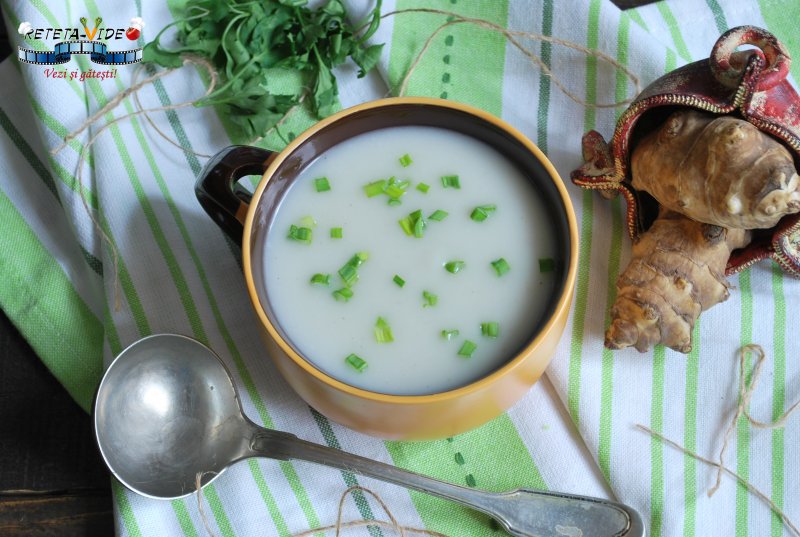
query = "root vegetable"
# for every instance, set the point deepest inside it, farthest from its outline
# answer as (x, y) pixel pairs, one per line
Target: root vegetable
(677, 270)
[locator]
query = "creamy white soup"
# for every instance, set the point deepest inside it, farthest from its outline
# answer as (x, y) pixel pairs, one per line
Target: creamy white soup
(407, 302)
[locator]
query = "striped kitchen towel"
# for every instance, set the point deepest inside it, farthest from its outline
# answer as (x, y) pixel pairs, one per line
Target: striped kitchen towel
(574, 431)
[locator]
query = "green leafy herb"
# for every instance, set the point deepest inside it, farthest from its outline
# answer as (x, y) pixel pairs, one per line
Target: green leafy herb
(481, 213)
(405, 161)
(398, 280)
(449, 334)
(336, 233)
(322, 184)
(451, 181)
(547, 264)
(454, 266)
(430, 299)
(438, 215)
(395, 189)
(467, 348)
(252, 43)
(423, 187)
(321, 279)
(359, 364)
(490, 329)
(501, 266)
(383, 332)
(300, 234)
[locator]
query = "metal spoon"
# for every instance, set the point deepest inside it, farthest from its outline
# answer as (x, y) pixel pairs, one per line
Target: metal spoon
(167, 410)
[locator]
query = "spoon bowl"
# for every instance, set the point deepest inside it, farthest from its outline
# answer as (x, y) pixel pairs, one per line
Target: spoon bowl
(167, 411)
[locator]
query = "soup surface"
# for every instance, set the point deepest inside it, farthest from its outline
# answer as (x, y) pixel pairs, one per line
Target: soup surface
(449, 280)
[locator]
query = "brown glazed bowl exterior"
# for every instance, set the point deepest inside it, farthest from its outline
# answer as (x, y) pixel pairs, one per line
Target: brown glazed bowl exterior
(398, 417)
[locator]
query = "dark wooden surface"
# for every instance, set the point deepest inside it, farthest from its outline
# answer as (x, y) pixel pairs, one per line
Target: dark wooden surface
(52, 479)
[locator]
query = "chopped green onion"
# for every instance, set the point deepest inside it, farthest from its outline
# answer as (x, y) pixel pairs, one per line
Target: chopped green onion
(349, 271)
(451, 181)
(322, 279)
(547, 264)
(405, 161)
(396, 189)
(423, 187)
(449, 334)
(467, 348)
(481, 213)
(383, 332)
(336, 233)
(349, 274)
(438, 215)
(454, 266)
(430, 299)
(501, 266)
(490, 329)
(308, 221)
(393, 202)
(322, 184)
(398, 280)
(300, 234)
(375, 188)
(413, 224)
(343, 295)
(358, 363)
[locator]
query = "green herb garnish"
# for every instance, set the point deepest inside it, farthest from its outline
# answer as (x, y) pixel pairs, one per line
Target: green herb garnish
(490, 329)
(467, 348)
(395, 189)
(322, 184)
(383, 332)
(413, 224)
(547, 264)
(252, 43)
(343, 295)
(405, 161)
(349, 271)
(336, 233)
(481, 213)
(449, 334)
(398, 280)
(308, 221)
(454, 266)
(375, 188)
(451, 181)
(430, 299)
(423, 187)
(300, 234)
(501, 266)
(438, 215)
(321, 279)
(358, 363)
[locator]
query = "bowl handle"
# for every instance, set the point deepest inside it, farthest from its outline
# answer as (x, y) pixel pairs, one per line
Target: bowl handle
(225, 201)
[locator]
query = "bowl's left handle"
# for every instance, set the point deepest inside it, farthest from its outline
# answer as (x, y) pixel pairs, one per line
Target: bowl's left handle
(218, 192)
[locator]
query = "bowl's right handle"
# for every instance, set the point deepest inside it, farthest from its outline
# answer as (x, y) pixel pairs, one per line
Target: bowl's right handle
(218, 192)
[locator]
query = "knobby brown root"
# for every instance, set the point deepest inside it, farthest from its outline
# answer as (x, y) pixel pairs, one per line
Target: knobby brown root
(677, 270)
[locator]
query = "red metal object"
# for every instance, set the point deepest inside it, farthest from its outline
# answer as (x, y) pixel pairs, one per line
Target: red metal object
(749, 84)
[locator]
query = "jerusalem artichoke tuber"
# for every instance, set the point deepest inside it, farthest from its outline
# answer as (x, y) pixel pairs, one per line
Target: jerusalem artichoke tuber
(717, 169)
(677, 270)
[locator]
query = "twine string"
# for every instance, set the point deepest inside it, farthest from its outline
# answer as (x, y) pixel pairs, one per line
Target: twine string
(340, 525)
(746, 391)
(511, 35)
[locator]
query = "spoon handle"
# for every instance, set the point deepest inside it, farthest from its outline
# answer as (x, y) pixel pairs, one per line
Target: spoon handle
(523, 513)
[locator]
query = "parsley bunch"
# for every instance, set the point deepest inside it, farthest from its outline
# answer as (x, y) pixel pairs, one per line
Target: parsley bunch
(245, 39)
